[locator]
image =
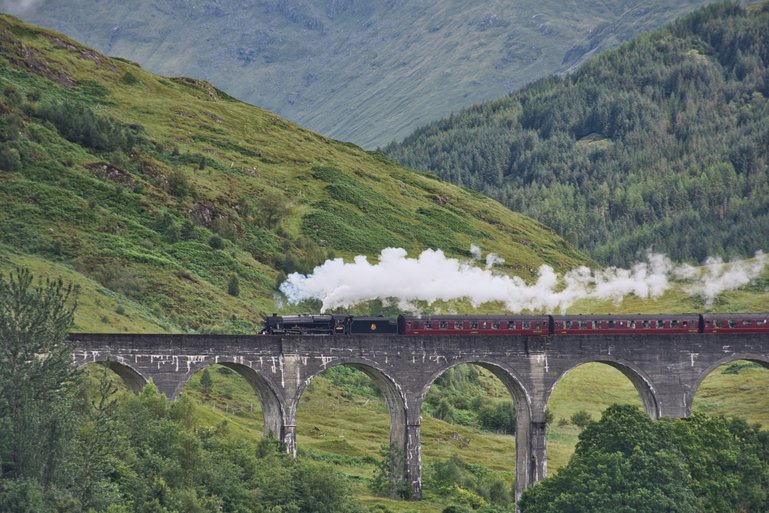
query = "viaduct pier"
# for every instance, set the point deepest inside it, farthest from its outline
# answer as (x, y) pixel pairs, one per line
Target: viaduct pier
(666, 370)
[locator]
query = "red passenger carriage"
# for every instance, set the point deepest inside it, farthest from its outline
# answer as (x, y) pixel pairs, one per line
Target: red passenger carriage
(474, 325)
(735, 323)
(620, 324)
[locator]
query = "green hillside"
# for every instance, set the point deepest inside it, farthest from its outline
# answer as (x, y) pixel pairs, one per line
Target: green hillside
(365, 71)
(162, 196)
(661, 143)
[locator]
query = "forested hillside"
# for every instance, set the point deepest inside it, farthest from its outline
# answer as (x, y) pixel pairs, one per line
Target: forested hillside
(177, 207)
(662, 143)
(366, 71)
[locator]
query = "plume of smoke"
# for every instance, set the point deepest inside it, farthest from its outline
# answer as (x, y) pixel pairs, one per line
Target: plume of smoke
(492, 260)
(717, 276)
(432, 276)
(19, 7)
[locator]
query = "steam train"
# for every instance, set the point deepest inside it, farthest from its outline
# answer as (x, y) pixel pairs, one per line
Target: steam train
(517, 325)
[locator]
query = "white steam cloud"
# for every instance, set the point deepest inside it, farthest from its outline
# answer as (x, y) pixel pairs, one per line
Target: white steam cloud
(19, 7)
(432, 276)
(491, 258)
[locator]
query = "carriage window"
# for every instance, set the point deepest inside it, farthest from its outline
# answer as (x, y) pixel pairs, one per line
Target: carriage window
(495, 325)
(611, 323)
(485, 325)
(429, 324)
(526, 324)
(408, 324)
(645, 324)
(444, 325)
(747, 323)
(458, 325)
(660, 324)
(717, 323)
(761, 322)
(631, 324)
(582, 325)
(568, 325)
(674, 323)
(732, 324)
(474, 325)
(686, 324)
(596, 325)
(536, 324)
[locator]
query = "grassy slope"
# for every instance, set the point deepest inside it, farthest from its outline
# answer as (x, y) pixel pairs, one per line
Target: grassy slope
(331, 198)
(369, 72)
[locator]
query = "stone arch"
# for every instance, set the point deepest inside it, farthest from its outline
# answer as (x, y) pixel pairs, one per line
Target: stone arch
(640, 380)
(397, 405)
(273, 408)
(530, 463)
(762, 360)
(506, 375)
(133, 379)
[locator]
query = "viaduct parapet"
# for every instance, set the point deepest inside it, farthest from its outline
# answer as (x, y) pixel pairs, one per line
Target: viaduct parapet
(666, 370)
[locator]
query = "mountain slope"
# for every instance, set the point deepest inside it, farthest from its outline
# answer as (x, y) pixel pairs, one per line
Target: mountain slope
(661, 143)
(360, 70)
(175, 206)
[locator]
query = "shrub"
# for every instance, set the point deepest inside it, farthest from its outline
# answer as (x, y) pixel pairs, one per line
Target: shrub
(179, 184)
(581, 419)
(10, 159)
(216, 242)
(79, 124)
(233, 287)
(206, 383)
(129, 79)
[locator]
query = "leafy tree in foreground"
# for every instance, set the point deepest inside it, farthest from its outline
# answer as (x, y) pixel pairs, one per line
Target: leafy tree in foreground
(628, 463)
(37, 388)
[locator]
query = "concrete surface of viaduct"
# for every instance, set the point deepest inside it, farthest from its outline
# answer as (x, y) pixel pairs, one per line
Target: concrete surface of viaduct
(666, 370)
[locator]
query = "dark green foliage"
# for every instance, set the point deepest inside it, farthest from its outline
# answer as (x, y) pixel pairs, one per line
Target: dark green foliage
(187, 230)
(736, 367)
(468, 485)
(233, 287)
(216, 242)
(179, 184)
(497, 417)
(659, 144)
(206, 383)
(146, 454)
(92, 88)
(458, 397)
(10, 158)
(581, 419)
(352, 381)
(271, 209)
(454, 508)
(37, 386)
(81, 125)
(129, 79)
(302, 257)
(388, 476)
(627, 462)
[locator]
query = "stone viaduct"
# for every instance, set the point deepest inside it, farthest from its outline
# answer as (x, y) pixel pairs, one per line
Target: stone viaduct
(665, 369)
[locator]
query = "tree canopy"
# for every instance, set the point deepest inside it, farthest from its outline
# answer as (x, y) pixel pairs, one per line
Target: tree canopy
(628, 463)
(659, 144)
(37, 381)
